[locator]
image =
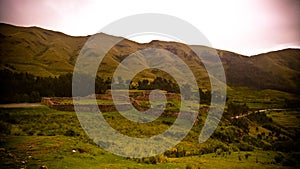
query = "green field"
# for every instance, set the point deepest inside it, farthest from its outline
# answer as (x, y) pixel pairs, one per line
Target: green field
(56, 152)
(32, 137)
(259, 128)
(259, 99)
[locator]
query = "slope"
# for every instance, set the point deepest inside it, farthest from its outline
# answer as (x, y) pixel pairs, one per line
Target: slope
(48, 53)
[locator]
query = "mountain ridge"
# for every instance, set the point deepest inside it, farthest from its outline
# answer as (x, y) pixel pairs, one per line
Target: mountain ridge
(44, 52)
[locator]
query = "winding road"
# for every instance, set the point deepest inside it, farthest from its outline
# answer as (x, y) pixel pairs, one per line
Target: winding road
(257, 111)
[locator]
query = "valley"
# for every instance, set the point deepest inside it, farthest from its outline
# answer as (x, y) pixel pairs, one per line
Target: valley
(259, 127)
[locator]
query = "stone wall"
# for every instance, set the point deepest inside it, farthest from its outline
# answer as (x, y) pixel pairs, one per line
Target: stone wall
(56, 103)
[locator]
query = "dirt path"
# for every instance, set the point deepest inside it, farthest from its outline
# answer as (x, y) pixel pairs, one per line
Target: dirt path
(257, 111)
(20, 105)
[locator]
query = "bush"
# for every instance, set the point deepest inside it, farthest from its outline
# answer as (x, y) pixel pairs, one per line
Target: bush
(167, 122)
(247, 155)
(278, 158)
(70, 133)
(245, 147)
(181, 153)
(153, 160)
(30, 133)
(40, 133)
(219, 151)
(16, 131)
(188, 166)
(5, 127)
(50, 134)
(35, 96)
(289, 162)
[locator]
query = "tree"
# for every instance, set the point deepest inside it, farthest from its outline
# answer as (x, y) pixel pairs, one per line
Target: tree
(237, 109)
(205, 97)
(24, 87)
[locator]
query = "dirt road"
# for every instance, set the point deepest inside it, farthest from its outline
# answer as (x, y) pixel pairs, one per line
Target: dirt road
(20, 105)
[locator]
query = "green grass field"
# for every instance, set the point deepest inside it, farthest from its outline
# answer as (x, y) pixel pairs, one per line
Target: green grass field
(37, 136)
(56, 152)
(259, 99)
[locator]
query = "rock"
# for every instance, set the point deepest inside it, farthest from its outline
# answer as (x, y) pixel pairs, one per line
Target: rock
(10, 155)
(43, 167)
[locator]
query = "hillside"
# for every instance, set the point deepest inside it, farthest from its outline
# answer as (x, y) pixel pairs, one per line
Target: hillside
(47, 53)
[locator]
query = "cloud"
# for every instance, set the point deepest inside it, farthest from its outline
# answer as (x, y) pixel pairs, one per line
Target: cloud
(238, 25)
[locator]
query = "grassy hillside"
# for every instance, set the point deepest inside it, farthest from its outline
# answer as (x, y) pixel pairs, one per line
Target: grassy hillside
(47, 53)
(259, 128)
(38, 51)
(273, 70)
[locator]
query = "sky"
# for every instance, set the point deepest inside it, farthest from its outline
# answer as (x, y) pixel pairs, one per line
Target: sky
(243, 26)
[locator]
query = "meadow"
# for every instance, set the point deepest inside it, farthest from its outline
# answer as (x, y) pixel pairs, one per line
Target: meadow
(252, 133)
(36, 136)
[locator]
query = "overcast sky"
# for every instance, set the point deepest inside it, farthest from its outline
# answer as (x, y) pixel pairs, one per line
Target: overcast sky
(243, 26)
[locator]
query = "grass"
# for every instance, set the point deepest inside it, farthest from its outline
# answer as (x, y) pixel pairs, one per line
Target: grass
(42, 136)
(56, 152)
(256, 159)
(259, 99)
(287, 119)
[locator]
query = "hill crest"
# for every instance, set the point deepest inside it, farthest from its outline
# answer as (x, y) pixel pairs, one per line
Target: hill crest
(43, 52)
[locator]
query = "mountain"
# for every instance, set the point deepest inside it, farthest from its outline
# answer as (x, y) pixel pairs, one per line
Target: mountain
(38, 51)
(43, 52)
(273, 70)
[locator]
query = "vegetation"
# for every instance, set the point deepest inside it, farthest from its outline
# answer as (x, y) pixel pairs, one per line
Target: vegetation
(24, 87)
(157, 83)
(259, 128)
(245, 135)
(47, 53)
(42, 136)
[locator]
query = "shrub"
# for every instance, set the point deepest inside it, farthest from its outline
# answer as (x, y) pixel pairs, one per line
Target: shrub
(247, 155)
(16, 131)
(153, 160)
(167, 122)
(70, 133)
(289, 162)
(245, 147)
(188, 166)
(181, 153)
(40, 133)
(50, 134)
(30, 133)
(278, 158)
(219, 151)
(5, 127)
